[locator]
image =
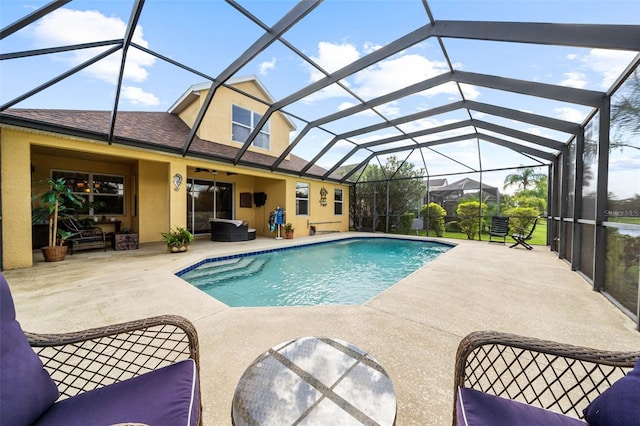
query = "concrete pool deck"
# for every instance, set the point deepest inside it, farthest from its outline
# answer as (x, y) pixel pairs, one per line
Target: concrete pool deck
(412, 329)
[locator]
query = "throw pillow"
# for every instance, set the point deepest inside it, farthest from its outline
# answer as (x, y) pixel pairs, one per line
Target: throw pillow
(619, 405)
(27, 391)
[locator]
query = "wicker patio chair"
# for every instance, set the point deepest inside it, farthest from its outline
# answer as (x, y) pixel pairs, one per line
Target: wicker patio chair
(556, 376)
(146, 370)
(89, 359)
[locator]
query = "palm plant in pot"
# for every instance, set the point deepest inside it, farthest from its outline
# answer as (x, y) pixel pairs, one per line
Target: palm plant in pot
(52, 205)
(288, 231)
(177, 240)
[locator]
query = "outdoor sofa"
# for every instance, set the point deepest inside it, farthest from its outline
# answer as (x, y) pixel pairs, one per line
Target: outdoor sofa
(143, 371)
(506, 379)
(231, 230)
(83, 238)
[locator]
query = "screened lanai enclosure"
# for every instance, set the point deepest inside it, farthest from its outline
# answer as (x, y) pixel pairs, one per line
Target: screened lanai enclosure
(420, 91)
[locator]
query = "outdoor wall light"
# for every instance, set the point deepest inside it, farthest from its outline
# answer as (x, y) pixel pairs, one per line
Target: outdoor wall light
(177, 181)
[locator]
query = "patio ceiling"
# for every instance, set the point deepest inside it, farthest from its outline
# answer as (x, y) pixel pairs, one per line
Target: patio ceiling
(434, 122)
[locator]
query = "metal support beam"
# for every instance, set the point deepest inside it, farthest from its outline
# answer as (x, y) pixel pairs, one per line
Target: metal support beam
(507, 144)
(542, 90)
(59, 78)
(616, 37)
(32, 17)
(576, 233)
(600, 248)
(299, 11)
(390, 97)
(131, 27)
(390, 49)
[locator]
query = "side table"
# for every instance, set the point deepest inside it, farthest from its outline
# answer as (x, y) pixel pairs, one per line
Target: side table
(124, 241)
(314, 381)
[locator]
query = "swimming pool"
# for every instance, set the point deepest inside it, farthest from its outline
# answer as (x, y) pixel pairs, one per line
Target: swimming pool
(343, 272)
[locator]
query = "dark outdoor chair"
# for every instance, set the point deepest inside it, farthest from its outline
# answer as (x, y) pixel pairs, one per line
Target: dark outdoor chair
(144, 371)
(83, 237)
(499, 229)
(521, 238)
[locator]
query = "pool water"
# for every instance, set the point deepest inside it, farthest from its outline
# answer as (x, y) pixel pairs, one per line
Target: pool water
(344, 272)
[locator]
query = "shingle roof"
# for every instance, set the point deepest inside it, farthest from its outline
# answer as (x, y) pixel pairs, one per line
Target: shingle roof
(161, 130)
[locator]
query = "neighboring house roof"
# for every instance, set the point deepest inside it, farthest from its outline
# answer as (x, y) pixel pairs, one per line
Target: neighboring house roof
(437, 183)
(465, 184)
(159, 131)
(193, 93)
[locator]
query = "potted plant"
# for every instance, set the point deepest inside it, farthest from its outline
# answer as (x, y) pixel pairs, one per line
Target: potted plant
(52, 205)
(288, 231)
(178, 240)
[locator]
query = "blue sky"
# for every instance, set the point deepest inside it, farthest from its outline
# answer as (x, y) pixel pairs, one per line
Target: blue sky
(209, 35)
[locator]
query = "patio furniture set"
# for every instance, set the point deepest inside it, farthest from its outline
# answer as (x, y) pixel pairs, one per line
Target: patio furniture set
(500, 230)
(147, 372)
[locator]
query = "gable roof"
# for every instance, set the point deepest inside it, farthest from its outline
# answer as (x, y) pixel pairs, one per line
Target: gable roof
(193, 93)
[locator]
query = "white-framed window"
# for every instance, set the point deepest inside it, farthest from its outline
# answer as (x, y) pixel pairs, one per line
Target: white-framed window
(302, 199)
(104, 192)
(243, 121)
(337, 202)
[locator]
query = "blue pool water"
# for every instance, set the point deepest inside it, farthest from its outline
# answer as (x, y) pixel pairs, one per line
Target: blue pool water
(343, 272)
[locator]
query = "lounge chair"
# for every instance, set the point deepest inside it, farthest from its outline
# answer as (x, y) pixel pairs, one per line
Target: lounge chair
(521, 238)
(83, 238)
(506, 379)
(142, 371)
(499, 229)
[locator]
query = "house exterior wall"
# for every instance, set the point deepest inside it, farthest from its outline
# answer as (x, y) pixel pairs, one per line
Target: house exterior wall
(152, 205)
(16, 199)
(216, 125)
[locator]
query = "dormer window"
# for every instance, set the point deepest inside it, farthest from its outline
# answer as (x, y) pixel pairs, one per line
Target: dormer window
(243, 121)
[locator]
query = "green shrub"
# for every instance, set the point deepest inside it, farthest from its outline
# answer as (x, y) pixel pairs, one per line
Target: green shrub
(521, 218)
(406, 222)
(434, 214)
(468, 217)
(453, 226)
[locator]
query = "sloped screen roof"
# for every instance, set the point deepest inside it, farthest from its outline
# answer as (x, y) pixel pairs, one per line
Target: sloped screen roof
(447, 85)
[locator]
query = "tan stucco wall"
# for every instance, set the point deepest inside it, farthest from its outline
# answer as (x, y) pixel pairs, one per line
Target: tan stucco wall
(216, 126)
(154, 200)
(16, 200)
(317, 212)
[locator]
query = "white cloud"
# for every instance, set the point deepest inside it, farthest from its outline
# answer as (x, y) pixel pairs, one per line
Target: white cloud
(398, 72)
(267, 66)
(574, 79)
(381, 78)
(569, 114)
(609, 63)
(137, 96)
(331, 57)
(67, 27)
(572, 56)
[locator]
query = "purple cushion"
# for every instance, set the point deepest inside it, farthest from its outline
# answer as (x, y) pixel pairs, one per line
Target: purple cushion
(26, 389)
(167, 396)
(619, 405)
(475, 408)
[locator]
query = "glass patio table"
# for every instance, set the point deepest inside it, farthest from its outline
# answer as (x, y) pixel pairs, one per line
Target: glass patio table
(314, 381)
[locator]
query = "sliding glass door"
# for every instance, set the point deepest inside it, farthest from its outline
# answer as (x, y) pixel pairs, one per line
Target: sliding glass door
(205, 200)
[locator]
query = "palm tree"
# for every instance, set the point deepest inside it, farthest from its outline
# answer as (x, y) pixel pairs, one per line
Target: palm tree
(625, 113)
(524, 178)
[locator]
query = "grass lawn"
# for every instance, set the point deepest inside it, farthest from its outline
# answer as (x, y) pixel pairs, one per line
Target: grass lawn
(539, 235)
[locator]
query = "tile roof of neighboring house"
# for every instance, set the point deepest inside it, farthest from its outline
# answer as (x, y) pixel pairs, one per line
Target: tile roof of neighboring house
(160, 130)
(435, 183)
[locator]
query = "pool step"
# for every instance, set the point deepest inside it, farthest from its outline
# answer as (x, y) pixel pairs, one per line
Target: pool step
(209, 276)
(214, 268)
